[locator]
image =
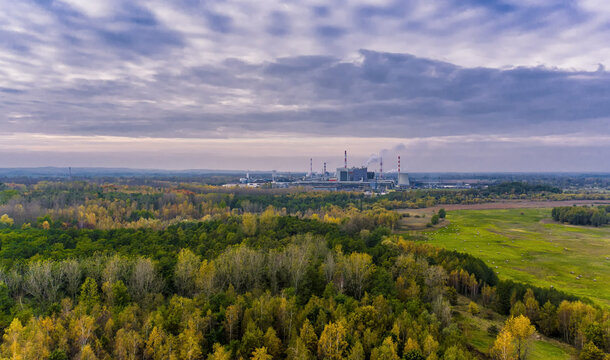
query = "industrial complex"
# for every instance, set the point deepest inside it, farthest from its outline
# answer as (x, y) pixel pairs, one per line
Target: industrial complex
(344, 178)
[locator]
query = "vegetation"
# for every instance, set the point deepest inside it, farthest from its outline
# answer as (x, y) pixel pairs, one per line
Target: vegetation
(115, 271)
(521, 246)
(582, 215)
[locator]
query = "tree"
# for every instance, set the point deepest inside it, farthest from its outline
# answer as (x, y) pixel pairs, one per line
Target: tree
(205, 278)
(156, 345)
(12, 344)
(261, 354)
(414, 355)
(357, 268)
(591, 352)
(86, 353)
(232, 321)
(89, 296)
(188, 343)
(272, 343)
(473, 308)
(434, 219)
(6, 220)
(43, 280)
(503, 348)
(249, 223)
(531, 305)
(522, 332)
(185, 272)
(143, 280)
(430, 346)
(127, 344)
(442, 213)
(308, 336)
(547, 320)
(220, 353)
(71, 274)
(332, 343)
(386, 351)
(357, 352)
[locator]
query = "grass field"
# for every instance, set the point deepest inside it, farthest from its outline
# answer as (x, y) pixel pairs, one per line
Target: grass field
(523, 245)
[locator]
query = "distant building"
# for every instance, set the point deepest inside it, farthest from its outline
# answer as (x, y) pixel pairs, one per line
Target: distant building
(354, 174)
(403, 180)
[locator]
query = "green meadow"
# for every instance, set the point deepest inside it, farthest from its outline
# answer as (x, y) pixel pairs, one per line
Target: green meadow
(526, 246)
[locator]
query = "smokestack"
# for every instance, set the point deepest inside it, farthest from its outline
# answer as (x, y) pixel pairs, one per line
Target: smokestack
(398, 164)
(310, 167)
(345, 160)
(325, 168)
(380, 167)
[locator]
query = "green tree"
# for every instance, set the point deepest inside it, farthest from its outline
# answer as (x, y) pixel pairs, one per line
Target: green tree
(442, 213)
(89, 295)
(591, 352)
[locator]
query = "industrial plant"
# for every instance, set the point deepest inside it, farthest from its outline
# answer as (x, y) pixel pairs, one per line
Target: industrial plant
(344, 178)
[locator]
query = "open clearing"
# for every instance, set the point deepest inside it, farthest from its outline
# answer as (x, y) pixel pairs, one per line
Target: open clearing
(518, 245)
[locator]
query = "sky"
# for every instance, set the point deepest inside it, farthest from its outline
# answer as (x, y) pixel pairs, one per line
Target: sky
(449, 85)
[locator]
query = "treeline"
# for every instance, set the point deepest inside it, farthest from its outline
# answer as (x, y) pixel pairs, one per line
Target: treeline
(518, 188)
(119, 205)
(582, 215)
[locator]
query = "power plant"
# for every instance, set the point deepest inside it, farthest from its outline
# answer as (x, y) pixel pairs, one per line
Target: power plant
(357, 178)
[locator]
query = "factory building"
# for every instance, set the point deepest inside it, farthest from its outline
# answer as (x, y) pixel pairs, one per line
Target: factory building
(354, 174)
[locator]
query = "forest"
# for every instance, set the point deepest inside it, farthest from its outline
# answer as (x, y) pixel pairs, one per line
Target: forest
(111, 271)
(582, 215)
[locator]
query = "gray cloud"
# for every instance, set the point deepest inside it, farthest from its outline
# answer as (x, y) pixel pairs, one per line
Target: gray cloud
(224, 69)
(382, 95)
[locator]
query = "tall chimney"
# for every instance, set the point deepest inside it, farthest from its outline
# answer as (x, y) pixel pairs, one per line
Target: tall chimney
(310, 167)
(325, 168)
(398, 164)
(345, 159)
(380, 167)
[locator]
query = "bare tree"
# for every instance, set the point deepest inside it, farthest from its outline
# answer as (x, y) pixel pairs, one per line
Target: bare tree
(72, 276)
(143, 280)
(43, 280)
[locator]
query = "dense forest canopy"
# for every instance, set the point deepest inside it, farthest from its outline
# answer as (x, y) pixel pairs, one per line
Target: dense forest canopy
(113, 271)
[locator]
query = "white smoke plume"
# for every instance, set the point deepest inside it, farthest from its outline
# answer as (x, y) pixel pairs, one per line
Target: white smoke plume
(389, 156)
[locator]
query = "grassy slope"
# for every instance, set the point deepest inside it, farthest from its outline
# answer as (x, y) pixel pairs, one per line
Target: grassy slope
(475, 330)
(519, 246)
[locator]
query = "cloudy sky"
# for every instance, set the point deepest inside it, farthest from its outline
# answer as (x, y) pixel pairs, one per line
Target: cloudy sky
(450, 85)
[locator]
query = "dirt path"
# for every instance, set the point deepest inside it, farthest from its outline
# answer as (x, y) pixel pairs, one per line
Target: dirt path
(506, 204)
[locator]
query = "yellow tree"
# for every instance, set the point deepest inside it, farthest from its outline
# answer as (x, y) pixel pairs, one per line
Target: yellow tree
(430, 345)
(387, 351)
(220, 353)
(332, 344)
(308, 336)
(503, 348)
(249, 223)
(188, 342)
(6, 220)
(156, 345)
(261, 354)
(11, 346)
(521, 329)
(127, 344)
(231, 320)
